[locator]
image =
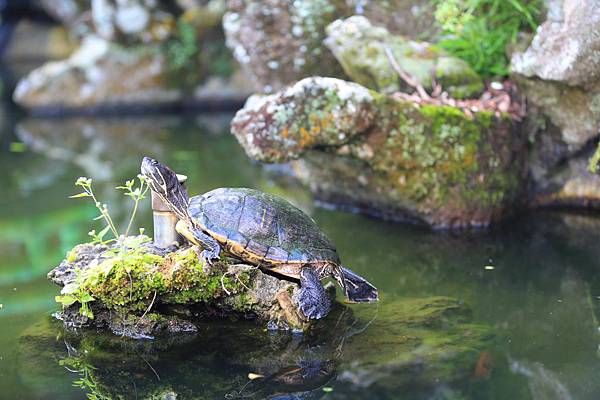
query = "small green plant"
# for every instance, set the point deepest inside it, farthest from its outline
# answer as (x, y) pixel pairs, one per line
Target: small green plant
(136, 193)
(479, 31)
(73, 293)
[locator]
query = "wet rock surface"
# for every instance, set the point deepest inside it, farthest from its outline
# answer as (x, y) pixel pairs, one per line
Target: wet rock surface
(138, 290)
(388, 157)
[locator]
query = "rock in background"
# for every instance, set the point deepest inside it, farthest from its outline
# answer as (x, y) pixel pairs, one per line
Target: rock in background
(136, 54)
(558, 73)
(364, 51)
(279, 42)
(388, 157)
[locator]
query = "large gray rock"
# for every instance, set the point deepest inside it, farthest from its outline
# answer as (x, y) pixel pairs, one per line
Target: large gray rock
(558, 75)
(140, 56)
(279, 42)
(412, 18)
(98, 73)
(566, 48)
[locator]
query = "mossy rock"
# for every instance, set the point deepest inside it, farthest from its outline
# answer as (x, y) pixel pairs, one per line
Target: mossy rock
(364, 52)
(389, 157)
(139, 290)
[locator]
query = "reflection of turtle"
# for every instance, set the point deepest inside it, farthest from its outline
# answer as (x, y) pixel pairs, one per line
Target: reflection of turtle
(263, 230)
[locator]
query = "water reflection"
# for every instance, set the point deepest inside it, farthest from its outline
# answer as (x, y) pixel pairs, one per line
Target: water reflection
(416, 345)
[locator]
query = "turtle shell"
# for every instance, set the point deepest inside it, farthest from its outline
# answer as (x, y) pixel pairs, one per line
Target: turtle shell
(266, 227)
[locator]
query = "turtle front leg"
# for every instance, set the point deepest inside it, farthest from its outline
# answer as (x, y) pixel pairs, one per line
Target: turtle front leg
(212, 249)
(314, 301)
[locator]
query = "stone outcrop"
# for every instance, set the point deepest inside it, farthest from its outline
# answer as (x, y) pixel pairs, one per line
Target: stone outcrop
(136, 55)
(566, 47)
(558, 75)
(385, 156)
(278, 42)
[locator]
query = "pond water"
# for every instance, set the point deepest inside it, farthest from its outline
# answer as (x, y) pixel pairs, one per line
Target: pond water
(506, 313)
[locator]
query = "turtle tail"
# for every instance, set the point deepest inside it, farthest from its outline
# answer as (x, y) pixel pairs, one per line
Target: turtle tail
(357, 288)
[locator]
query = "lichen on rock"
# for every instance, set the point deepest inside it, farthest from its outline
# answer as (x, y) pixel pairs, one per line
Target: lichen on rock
(364, 51)
(390, 157)
(139, 290)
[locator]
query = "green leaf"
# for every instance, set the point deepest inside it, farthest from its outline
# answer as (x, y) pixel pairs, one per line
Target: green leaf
(65, 300)
(79, 195)
(86, 298)
(86, 311)
(70, 288)
(103, 232)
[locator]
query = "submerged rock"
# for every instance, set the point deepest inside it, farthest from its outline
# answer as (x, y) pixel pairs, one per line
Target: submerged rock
(138, 290)
(386, 156)
(364, 52)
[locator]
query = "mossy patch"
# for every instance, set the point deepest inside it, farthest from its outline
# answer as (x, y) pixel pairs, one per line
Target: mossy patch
(130, 280)
(437, 154)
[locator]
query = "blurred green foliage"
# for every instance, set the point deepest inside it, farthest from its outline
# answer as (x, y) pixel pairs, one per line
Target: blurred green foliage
(594, 161)
(479, 31)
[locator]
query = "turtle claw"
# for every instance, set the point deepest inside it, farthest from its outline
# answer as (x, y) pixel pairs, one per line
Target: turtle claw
(313, 307)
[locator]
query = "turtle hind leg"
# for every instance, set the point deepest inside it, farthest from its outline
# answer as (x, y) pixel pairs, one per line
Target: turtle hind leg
(314, 301)
(357, 288)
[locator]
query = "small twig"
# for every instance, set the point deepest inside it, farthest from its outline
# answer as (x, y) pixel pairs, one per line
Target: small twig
(406, 77)
(153, 370)
(243, 266)
(147, 309)
(130, 285)
(227, 292)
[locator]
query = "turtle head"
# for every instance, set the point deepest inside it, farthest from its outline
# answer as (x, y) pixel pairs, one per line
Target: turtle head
(163, 181)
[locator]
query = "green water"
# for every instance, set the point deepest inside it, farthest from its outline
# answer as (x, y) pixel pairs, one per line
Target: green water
(531, 320)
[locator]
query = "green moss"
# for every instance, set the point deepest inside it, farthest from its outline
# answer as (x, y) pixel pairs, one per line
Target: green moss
(438, 156)
(132, 279)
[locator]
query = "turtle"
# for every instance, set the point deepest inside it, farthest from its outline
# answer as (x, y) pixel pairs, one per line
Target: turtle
(263, 230)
